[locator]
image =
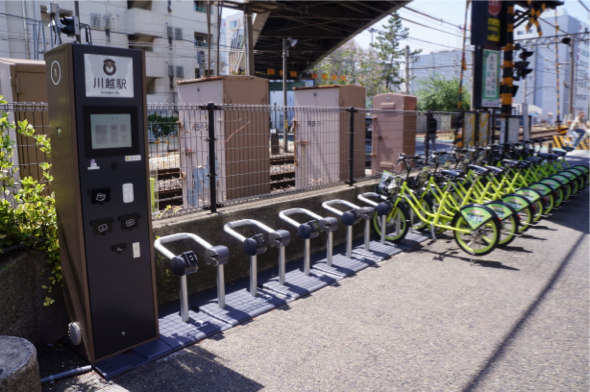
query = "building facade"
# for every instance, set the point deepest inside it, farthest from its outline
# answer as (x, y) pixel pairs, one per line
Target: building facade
(446, 64)
(540, 88)
(172, 33)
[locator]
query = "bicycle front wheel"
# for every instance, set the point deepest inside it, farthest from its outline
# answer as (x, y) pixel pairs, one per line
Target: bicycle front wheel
(396, 224)
(480, 241)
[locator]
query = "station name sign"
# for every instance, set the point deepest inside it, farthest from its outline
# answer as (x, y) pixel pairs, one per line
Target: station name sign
(108, 76)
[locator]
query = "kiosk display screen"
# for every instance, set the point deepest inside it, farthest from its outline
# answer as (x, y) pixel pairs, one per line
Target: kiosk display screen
(110, 131)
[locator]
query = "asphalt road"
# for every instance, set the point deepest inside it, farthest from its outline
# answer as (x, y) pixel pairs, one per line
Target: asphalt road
(518, 320)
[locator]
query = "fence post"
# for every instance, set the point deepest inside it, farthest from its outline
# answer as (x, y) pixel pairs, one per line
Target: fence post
(212, 180)
(351, 146)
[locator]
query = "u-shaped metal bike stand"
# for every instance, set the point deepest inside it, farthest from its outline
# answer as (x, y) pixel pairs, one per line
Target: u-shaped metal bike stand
(186, 264)
(309, 230)
(349, 219)
(257, 244)
(383, 208)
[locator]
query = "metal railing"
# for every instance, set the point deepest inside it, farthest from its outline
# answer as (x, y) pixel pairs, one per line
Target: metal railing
(204, 157)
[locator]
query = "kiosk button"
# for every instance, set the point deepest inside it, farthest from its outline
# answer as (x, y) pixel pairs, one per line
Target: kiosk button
(102, 226)
(128, 193)
(129, 222)
(99, 196)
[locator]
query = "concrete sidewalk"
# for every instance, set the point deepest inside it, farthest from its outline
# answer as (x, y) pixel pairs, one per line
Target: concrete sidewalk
(420, 321)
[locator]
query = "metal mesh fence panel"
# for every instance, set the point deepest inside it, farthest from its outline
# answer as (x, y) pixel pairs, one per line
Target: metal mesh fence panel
(254, 158)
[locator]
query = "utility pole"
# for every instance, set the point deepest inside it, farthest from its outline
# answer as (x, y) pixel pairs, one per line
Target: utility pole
(285, 121)
(571, 91)
(372, 30)
(249, 38)
(208, 10)
(407, 70)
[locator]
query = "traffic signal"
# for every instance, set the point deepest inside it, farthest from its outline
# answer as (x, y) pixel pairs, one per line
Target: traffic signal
(521, 66)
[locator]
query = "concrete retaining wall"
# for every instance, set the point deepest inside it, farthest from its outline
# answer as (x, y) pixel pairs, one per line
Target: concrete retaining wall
(22, 312)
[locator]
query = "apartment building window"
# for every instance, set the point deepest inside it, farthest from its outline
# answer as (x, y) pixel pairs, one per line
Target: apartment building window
(179, 72)
(233, 24)
(108, 22)
(178, 33)
(95, 20)
(200, 6)
(201, 40)
(197, 73)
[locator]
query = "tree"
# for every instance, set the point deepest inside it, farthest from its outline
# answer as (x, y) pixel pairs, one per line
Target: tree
(343, 61)
(361, 67)
(162, 126)
(438, 94)
(390, 52)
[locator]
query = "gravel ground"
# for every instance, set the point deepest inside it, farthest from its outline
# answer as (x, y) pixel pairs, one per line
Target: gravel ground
(518, 320)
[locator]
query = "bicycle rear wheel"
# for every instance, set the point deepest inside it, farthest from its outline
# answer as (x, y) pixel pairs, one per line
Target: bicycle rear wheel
(396, 224)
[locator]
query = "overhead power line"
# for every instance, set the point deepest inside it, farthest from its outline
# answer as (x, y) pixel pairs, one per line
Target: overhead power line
(584, 5)
(429, 27)
(432, 17)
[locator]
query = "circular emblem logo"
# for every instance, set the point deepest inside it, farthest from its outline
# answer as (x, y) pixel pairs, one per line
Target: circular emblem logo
(109, 67)
(494, 7)
(55, 72)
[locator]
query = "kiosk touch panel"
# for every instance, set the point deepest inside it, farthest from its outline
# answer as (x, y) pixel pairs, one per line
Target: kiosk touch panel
(97, 119)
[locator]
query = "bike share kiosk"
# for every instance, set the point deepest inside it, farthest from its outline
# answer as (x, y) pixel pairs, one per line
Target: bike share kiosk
(358, 257)
(97, 112)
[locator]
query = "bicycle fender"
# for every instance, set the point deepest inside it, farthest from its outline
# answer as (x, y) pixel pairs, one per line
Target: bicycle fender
(569, 175)
(477, 215)
(553, 184)
(530, 194)
(562, 179)
(582, 168)
(544, 189)
(503, 210)
(518, 202)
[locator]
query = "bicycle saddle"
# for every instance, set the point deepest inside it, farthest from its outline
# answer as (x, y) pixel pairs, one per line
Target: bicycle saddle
(568, 148)
(452, 174)
(510, 162)
(559, 153)
(478, 170)
(495, 171)
(439, 153)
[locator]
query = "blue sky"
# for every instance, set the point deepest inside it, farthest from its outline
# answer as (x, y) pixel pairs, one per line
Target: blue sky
(454, 13)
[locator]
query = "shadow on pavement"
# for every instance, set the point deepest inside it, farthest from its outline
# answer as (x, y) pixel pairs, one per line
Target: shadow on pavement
(191, 370)
(516, 329)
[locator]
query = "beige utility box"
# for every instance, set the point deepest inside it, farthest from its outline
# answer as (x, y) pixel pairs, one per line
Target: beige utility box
(394, 129)
(322, 138)
(242, 145)
(24, 81)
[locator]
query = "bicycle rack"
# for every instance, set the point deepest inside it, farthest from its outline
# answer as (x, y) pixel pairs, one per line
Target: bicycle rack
(383, 208)
(181, 334)
(359, 258)
(295, 283)
(244, 303)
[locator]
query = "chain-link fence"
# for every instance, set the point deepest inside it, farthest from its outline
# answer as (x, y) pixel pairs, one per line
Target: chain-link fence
(203, 157)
